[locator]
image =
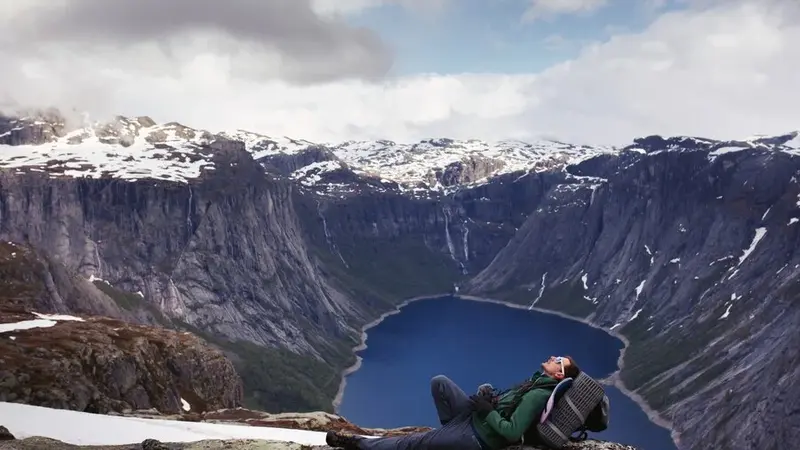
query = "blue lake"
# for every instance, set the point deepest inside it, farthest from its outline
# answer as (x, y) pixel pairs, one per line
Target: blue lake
(473, 343)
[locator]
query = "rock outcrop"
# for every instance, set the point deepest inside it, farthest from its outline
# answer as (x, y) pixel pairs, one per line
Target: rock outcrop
(316, 421)
(102, 365)
(37, 443)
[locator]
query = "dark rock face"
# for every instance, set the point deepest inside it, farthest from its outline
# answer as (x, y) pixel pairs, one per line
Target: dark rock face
(31, 281)
(152, 444)
(285, 164)
(5, 435)
(173, 243)
(99, 364)
(32, 130)
(466, 171)
(691, 257)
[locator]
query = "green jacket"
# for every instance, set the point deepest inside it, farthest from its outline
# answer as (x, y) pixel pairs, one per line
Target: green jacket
(498, 431)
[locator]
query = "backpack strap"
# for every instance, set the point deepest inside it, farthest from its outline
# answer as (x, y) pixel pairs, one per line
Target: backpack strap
(558, 391)
(582, 435)
(575, 409)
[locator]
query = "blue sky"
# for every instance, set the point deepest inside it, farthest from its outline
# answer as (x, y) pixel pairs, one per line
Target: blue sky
(492, 36)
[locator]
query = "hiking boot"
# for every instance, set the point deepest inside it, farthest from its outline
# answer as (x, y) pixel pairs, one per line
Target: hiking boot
(341, 440)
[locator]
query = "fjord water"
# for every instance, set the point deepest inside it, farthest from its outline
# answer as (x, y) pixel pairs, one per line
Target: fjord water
(473, 343)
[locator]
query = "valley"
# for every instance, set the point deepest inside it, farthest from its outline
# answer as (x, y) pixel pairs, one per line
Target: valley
(278, 251)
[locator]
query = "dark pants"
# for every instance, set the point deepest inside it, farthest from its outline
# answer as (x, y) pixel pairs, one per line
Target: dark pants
(456, 433)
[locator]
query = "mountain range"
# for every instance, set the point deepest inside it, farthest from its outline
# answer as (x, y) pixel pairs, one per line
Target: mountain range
(278, 250)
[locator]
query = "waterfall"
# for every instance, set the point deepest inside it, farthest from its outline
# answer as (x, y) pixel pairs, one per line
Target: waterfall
(450, 246)
(466, 241)
(189, 210)
(97, 262)
(171, 302)
(328, 236)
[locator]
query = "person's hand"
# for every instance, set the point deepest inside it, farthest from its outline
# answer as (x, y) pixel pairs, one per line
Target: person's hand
(485, 390)
(481, 405)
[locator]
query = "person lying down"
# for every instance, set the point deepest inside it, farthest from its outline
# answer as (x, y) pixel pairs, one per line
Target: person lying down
(487, 420)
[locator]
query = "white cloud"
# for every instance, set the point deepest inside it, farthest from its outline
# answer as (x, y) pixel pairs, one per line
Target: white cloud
(539, 9)
(328, 7)
(728, 70)
(283, 39)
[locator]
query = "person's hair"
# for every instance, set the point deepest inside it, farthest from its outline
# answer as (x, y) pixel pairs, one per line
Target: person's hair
(572, 370)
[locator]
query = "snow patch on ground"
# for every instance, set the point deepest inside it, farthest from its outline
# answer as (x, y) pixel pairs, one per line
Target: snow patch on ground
(43, 321)
(81, 428)
(760, 232)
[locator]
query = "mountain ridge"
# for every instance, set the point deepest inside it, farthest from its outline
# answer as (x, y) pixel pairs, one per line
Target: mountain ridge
(139, 148)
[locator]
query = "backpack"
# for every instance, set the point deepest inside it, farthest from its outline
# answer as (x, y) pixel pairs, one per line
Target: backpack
(598, 418)
(505, 402)
(575, 405)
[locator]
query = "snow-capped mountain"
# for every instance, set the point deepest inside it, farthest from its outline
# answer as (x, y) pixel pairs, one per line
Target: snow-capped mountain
(789, 142)
(135, 148)
(127, 148)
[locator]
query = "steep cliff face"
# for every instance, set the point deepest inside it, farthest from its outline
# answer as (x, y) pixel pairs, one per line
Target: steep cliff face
(690, 254)
(398, 246)
(223, 254)
(95, 363)
(31, 281)
(219, 252)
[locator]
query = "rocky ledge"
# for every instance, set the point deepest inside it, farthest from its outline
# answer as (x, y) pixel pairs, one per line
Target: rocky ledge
(316, 421)
(101, 365)
(38, 443)
(309, 421)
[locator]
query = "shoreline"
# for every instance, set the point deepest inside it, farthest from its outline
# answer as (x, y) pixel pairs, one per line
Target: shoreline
(362, 344)
(613, 379)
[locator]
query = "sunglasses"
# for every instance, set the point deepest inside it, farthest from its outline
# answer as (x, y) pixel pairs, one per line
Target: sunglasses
(560, 360)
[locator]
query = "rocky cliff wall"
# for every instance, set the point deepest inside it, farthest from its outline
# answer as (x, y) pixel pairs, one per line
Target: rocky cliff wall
(397, 246)
(225, 254)
(96, 363)
(693, 258)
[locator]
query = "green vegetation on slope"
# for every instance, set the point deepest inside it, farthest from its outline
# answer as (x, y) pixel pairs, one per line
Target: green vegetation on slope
(278, 380)
(387, 271)
(275, 380)
(382, 268)
(566, 298)
(132, 302)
